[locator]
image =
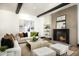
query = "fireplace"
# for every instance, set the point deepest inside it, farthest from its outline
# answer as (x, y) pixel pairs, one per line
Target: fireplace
(61, 35)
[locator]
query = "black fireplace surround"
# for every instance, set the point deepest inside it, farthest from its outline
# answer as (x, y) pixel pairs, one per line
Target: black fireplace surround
(61, 35)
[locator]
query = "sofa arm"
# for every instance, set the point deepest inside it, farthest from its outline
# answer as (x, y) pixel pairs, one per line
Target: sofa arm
(13, 52)
(16, 51)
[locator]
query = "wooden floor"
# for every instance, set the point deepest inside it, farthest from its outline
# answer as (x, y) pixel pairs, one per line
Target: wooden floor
(24, 50)
(76, 51)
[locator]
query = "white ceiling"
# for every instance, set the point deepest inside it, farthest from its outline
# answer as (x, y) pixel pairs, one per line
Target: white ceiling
(28, 8)
(36, 8)
(8, 6)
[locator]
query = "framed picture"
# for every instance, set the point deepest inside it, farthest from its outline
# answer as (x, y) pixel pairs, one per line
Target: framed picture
(61, 22)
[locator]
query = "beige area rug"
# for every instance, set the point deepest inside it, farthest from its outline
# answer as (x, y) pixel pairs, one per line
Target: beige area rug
(70, 52)
(26, 52)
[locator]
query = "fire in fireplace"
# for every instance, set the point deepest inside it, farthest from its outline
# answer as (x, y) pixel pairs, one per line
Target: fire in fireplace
(61, 35)
(62, 38)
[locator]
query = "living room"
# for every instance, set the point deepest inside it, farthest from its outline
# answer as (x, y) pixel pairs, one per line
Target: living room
(36, 28)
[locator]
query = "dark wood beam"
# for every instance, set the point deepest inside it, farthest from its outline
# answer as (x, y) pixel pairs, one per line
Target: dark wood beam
(53, 9)
(18, 7)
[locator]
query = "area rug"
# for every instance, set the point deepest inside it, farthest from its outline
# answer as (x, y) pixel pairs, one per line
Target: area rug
(70, 52)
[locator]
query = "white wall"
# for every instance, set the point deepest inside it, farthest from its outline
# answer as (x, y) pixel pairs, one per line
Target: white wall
(8, 22)
(78, 23)
(47, 21)
(25, 17)
(40, 22)
(39, 25)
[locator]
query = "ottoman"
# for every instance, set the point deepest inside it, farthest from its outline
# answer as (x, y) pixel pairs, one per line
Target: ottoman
(60, 49)
(43, 51)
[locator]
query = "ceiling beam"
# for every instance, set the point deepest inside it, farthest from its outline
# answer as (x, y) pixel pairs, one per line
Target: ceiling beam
(18, 7)
(53, 9)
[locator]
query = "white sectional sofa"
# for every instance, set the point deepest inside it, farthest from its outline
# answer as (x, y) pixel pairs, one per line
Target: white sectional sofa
(16, 51)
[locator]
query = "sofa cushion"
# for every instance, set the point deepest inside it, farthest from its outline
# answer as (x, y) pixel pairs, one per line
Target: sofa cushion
(22, 34)
(25, 34)
(7, 42)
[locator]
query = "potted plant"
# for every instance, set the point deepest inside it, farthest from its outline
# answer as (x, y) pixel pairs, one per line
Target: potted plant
(34, 38)
(2, 50)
